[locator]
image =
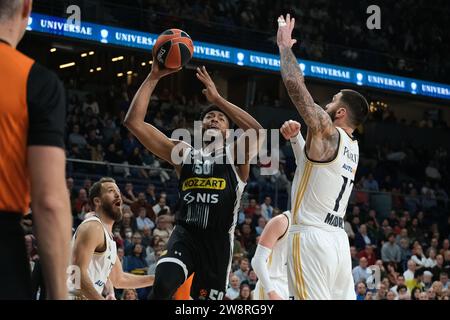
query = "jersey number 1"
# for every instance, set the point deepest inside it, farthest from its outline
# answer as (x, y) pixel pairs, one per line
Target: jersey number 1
(344, 185)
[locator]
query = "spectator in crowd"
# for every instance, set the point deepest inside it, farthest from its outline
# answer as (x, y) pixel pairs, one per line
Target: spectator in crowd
(150, 194)
(390, 296)
(361, 272)
(160, 205)
(381, 292)
(391, 252)
(362, 238)
(400, 282)
(439, 267)
(75, 138)
(370, 184)
(369, 254)
(163, 229)
(142, 221)
(419, 258)
(353, 254)
(242, 272)
(129, 294)
(142, 203)
(403, 293)
(392, 273)
(128, 196)
(415, 293)
(409, 275)
(234, 289)
(430, 262)
(361, 290)
(250, 210)
(244, 292)
(260, 227)
(147, 236)
(427, 280)
(443, 278)
(266, 208)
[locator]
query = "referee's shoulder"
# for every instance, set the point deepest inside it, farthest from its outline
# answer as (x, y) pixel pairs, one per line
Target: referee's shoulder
(43, 77)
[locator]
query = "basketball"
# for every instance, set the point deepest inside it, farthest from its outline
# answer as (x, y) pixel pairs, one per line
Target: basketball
(173, 48)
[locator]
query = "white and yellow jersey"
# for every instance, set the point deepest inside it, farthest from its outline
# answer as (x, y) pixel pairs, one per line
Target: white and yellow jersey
(277, 260)
(101, 263)
(277, 266)
(320, 191)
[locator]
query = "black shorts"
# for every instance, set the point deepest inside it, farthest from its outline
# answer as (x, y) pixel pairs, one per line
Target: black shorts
(207, 254)
(15, 274)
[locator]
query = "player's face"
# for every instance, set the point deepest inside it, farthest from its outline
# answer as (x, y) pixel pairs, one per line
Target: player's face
(216, 120)
(111, 201)
(334, 106)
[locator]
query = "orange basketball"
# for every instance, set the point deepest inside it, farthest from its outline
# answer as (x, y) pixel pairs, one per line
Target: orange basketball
(173, 49)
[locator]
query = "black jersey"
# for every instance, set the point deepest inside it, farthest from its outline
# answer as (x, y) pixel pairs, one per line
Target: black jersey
(210, 192)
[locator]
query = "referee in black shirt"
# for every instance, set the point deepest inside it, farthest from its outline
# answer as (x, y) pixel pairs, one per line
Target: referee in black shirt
(32, 163)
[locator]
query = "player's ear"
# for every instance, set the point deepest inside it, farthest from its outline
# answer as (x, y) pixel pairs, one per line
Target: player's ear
(341, 112)
(97, 201)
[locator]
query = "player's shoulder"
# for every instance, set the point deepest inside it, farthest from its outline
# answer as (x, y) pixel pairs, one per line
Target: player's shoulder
(92, 227)
(278, 224)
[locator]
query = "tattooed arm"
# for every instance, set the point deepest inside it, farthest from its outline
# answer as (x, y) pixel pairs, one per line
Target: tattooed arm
(322, 138)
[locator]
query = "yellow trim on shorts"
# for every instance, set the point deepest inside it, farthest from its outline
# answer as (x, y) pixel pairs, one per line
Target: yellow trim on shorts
(301, 190)
(304, 293)
(297, 277)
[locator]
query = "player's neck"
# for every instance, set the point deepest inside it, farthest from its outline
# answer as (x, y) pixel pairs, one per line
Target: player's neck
(107, 221)
(344, 127)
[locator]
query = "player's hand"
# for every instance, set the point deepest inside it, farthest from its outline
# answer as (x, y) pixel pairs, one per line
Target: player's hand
(284, 34)
(158, 72)
(290, 129)
(273, 295)
(210, 90)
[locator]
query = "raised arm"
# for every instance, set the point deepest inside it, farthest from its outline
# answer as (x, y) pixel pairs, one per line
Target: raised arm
(153, 139)
(240, 117)
(318, 121)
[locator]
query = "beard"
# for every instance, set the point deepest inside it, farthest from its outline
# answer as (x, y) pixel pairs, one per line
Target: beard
(112, 211)
(332, 115)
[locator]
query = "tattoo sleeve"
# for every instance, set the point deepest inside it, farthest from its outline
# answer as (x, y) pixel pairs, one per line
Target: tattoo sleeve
(317, 120)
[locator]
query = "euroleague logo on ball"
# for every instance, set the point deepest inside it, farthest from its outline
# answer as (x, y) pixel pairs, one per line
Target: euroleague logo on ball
(173, 49)
(160, 55)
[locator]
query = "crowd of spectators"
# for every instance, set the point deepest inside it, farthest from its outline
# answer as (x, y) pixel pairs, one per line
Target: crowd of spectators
(329, 31)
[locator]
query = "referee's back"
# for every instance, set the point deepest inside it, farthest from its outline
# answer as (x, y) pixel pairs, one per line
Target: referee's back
(32, 163)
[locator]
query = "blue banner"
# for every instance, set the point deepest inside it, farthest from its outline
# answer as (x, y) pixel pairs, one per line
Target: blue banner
(238, 57)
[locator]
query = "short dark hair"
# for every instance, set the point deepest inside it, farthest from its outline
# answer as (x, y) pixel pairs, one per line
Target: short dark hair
(8, 8)
(215, 108)
(357, 104)
(96, 189)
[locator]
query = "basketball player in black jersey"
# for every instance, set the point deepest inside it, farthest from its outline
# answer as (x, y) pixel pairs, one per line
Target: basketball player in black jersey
(210, 191)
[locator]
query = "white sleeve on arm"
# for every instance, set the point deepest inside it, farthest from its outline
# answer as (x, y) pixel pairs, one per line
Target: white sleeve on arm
(297, 143)
(259, 264)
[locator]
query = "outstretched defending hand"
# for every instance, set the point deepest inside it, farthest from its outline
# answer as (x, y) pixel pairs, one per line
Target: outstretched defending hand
(290, 129)
(210, 90)
(284, 34)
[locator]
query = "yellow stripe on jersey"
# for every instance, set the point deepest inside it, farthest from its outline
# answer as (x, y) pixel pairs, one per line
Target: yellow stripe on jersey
(304, 294)
(301, 190)
(298, 279)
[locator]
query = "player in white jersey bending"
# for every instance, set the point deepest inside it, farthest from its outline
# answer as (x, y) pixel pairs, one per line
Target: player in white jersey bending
(269, 261)
(319, 263)
(94, 250)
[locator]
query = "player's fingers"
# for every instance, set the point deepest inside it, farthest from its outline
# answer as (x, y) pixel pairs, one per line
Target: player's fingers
(292, 24)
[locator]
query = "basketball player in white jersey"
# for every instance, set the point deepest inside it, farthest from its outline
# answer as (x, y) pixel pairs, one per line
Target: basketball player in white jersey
(270, 259)
(94, 250)
(319, 263)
